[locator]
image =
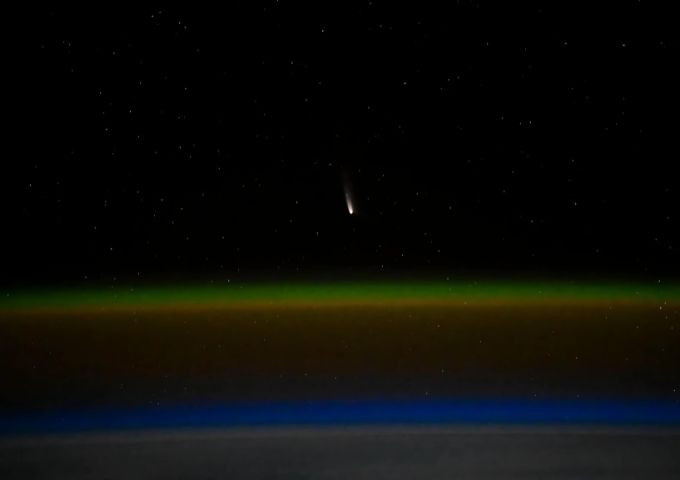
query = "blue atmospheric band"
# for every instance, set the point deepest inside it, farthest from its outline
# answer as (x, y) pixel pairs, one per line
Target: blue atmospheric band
(350, 413)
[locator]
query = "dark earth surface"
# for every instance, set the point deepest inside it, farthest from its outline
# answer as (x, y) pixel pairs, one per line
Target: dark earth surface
(329, 453)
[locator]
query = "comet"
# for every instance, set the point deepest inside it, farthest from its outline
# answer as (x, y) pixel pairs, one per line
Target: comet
(347, 187)
(348, 201)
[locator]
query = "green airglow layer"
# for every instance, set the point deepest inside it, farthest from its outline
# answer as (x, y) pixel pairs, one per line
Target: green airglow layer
(205, 296)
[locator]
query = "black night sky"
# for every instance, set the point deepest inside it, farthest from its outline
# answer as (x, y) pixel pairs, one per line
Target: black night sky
(220, 142)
